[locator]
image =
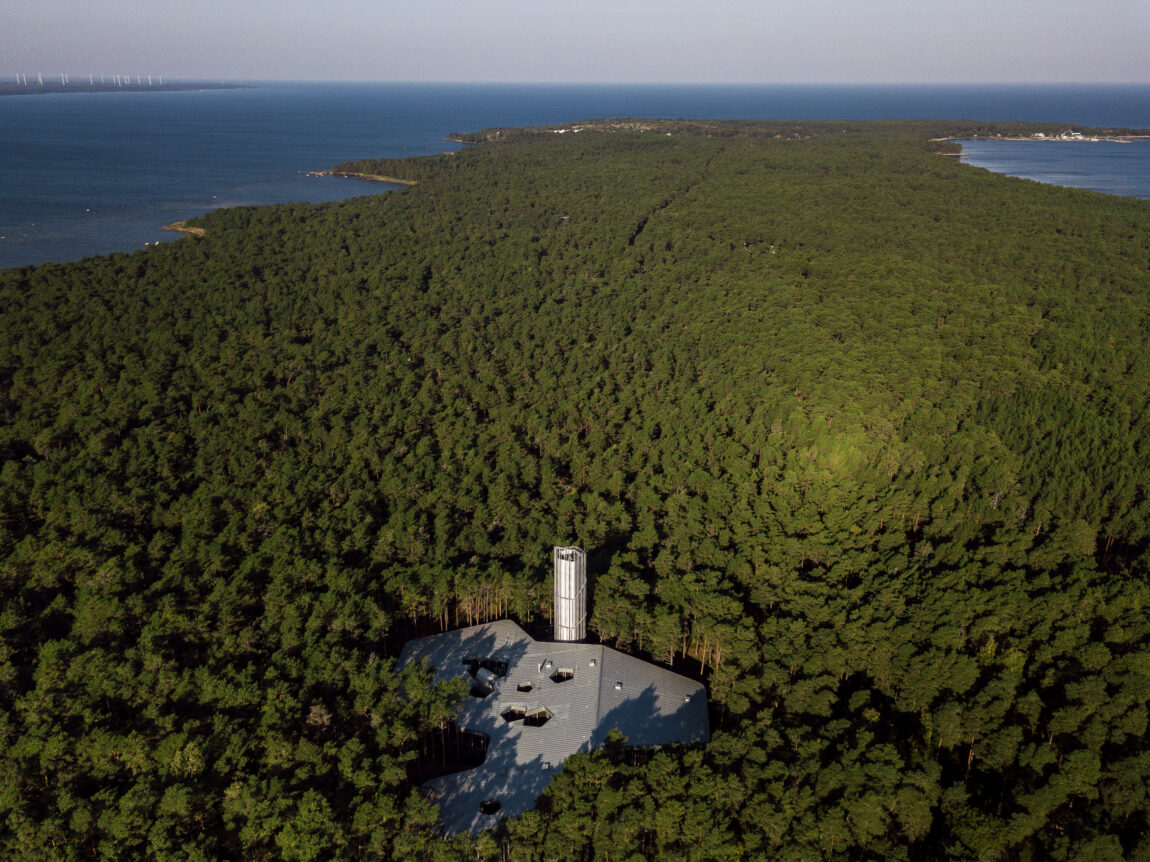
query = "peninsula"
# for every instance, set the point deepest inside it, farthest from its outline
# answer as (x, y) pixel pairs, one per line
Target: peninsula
(854, 437)
(379, 178)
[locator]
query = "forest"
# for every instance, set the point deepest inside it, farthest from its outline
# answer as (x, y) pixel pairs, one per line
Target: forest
(855, 433)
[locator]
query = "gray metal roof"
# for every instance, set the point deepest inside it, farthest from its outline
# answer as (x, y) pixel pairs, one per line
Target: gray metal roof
(609, 690)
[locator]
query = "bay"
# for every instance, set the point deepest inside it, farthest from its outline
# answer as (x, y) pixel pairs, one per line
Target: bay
(1114, 167)
(94, 173)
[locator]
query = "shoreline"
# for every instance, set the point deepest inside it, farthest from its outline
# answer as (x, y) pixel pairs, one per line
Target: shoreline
(50, 88)
(375, 178)
(1030, 139)
(1048, 170)
(1115, 139)
(181, 226)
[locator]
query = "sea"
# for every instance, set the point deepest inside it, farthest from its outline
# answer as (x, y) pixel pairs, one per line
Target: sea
(91, 173)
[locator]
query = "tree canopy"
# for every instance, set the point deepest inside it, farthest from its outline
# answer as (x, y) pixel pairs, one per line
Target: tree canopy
(856, 433)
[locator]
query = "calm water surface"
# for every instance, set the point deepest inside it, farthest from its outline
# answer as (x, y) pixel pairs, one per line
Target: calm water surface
(93, 173)
(1104, 166)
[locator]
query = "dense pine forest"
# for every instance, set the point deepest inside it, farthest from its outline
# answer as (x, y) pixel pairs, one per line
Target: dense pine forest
(855, 433)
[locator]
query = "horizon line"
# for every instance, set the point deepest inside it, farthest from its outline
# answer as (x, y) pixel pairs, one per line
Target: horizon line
(576, 83)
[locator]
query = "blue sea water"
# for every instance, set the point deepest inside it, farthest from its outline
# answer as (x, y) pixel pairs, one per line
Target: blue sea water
(1115, 167)
(93, 173)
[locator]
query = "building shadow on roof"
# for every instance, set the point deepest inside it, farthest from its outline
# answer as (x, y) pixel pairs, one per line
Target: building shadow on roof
(501, 642)
(503, 786)
(467, 800)
(651, 718)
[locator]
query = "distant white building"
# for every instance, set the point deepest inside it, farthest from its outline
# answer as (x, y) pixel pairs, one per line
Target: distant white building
(540, 702)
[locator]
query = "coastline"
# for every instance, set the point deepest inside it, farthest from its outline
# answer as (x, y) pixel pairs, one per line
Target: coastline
(1116, 139)
(1030, 139)
(182, 226)
(375, 178)
(37, 89)
(385, 118)
(1119, 171)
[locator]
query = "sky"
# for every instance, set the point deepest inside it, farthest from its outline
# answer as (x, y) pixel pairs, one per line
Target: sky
(585, 41)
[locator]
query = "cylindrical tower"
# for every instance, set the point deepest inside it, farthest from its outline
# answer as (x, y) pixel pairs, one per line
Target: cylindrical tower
(570, 594)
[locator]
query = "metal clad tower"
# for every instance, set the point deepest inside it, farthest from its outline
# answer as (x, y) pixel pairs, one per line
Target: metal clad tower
(570, 594)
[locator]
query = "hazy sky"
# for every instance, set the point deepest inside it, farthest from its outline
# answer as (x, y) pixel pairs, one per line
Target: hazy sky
(722, 41)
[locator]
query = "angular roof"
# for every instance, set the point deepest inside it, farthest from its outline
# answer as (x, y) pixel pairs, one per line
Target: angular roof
(607, 690)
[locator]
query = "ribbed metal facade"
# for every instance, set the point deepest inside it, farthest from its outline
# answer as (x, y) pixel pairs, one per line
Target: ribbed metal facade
(570, 594)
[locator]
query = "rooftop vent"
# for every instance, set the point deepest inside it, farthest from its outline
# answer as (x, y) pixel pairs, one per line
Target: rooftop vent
(477, 664)
(486, 677)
